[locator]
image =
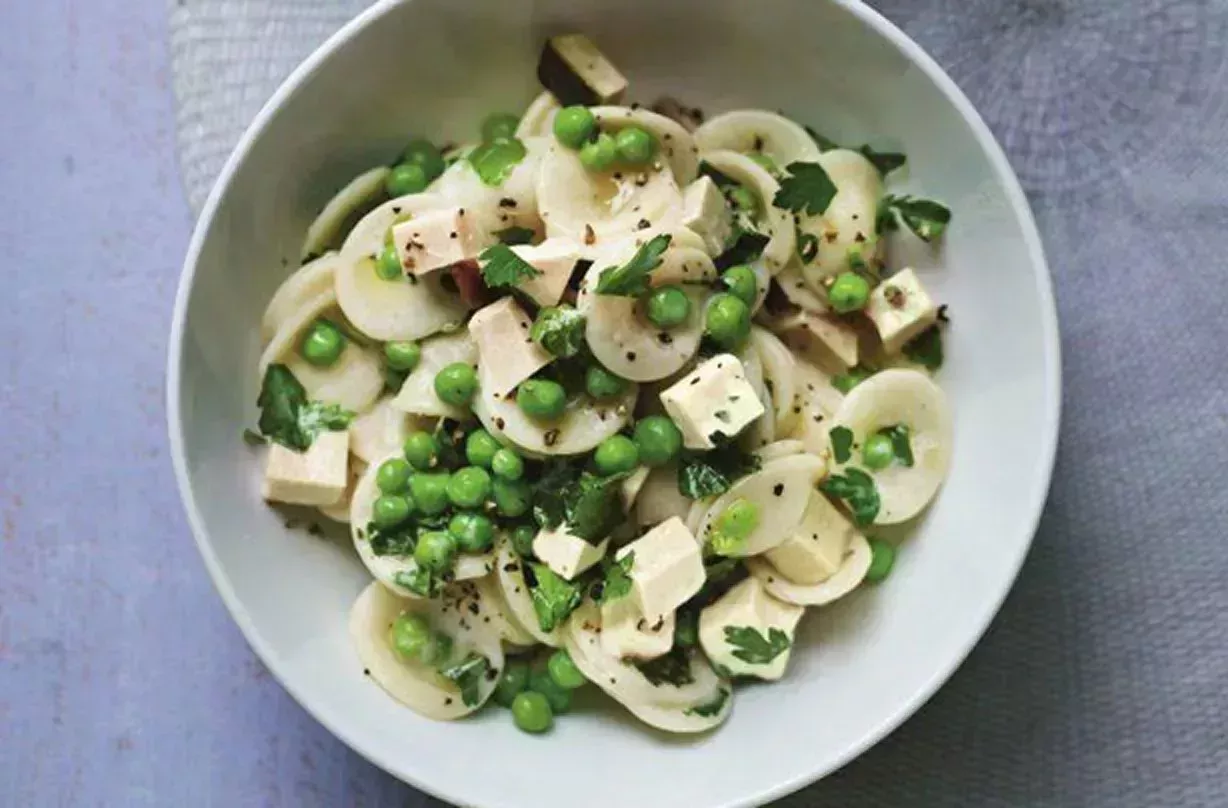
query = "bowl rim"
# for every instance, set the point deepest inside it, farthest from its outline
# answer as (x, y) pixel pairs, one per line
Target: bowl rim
(1051, 348)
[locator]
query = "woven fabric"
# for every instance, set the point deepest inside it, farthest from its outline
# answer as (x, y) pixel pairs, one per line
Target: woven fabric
(1104, 681)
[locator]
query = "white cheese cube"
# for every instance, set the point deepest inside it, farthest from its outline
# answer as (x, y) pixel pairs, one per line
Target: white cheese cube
(748, 632)
(317, 476)
(554, 259)
(815, 549)
(506, 354)
(900, 309)
(822, 338)
(667, 569)
(626, 633)
(705, 213)
(434, 240)
(566, 554)
(574, 70)
(713, 398)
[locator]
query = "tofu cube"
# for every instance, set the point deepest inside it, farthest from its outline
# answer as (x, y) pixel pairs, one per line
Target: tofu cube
(565, 553)
(667, 569)
(627, 634)
(576, 72)
(555, 259)
(901, 309)
(506, 354)
(317, 476)
(705, 213)
(434, 240)
(815, 549)
(736, 631)
(715, 398)
(822, 338)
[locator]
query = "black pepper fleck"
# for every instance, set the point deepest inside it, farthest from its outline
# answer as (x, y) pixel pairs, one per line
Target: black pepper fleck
(778, 489)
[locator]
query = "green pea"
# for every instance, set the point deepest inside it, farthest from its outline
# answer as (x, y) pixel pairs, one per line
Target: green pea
(402, 356)
(615, 455)
(742, 283)
(480, 448)
(636, 146)
(436, 550)
(522, 540)
(430, 492)
(657, 440)
(390, 510)
(878, 451)
(393, 476)
(499, 126)
(668, 307)
(728, 323)
(848, 292)
(469, 487)
(388, 265)
(421, 450)
(474, 532)
(512, 497)
(882, 559)
(322, 344)
(456, 384)
(507, 464)
(531, 712)
(541, 399)
(513, 681)
(426, 155)
(412, 637)
(574, 126)
(844, 382)
(600, 154)
(563, 671)
(765, 162)
(686, 628)
(540, 681)
(744, 199)
(739, 519)
(603, 385)
(406, 178)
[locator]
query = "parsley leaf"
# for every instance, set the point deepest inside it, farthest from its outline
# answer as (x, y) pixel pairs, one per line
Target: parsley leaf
(857, 489)
(502, 267)
(885, 162)
(560, 330)
(925, 217)
(495, 161)
(807, 189)
(288, 417)
(674, 669)
(824, 143)
(467, 675)
(841, 443)
(554, 598)
(252, 438)
(419, 580)
(753, 647)
(392, 541)
(707, 474)
(844, 382)
(900, 444)
(549, 493)
(594, 506)
(515, 235)
(926, 348)
(711, 708)
(617, 582)
(631, 279)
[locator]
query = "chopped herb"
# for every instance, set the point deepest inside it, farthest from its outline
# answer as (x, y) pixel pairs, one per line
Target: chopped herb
(495, 161)
(515, 235)
(395, 541)
(925, 217)
(711, 708)
(857, 489)
(926, 348)
(900, 444)
(885, 162)
(594, 506)
(807, 189)
(560, 330)
(753, 648)
(617, 581)
(707, 474)
(631, 279)
(288, 417)
(745, 247)
(419, 580)
(844, 382)
(824, 143)
(467, 675)
(841, 443)
(253, 438)
(450, 439)
(554, 598)
(673, 668)
(502, 267)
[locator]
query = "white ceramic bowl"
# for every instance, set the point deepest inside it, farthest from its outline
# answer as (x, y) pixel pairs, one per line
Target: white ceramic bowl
(436, 67)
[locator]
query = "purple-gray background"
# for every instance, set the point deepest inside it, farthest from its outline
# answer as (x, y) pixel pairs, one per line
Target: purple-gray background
(1104, 681)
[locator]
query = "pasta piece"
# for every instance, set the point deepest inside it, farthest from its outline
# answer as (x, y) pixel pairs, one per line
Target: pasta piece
(676, 146)
(779, 223)
(845, 234)
(779, 376)
(308, 282)
(781, 490)
(360, 195)
(417, 395)
(851, 573)
(757, 131)
(509, 573)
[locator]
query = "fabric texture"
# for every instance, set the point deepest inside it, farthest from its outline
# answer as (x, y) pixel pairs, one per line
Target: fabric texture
(1104, 680)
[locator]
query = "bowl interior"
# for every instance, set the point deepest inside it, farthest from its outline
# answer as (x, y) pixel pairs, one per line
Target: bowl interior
(436, 67)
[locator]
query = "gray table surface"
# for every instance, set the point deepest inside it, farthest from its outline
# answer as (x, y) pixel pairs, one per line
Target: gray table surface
(1102, 682)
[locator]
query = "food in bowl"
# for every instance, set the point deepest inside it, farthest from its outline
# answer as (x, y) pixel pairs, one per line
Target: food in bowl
(607, 396)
